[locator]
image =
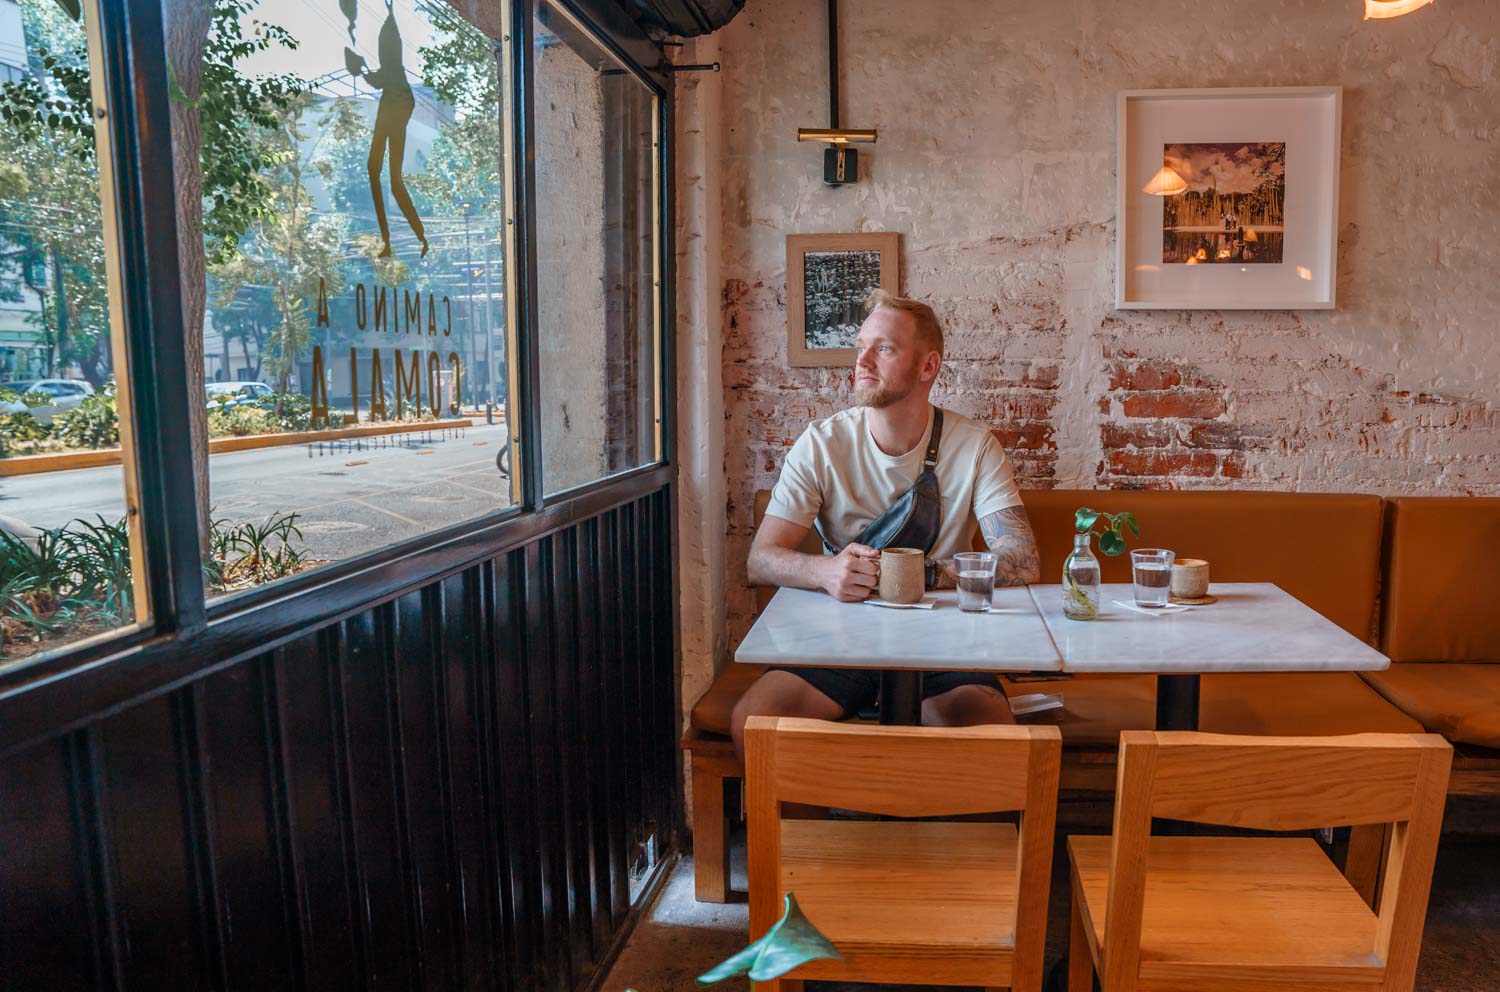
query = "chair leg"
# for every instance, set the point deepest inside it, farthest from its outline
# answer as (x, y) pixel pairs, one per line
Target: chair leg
(1367, 847)
(710, 837)
(1080, 961)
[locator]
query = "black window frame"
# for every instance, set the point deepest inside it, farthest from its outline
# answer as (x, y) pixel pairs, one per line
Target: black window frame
(185, 636)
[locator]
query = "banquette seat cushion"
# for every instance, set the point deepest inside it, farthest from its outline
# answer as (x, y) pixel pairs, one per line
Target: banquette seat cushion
(1097, 708)
(711, 712)
(1298, 704)
(1439, 615)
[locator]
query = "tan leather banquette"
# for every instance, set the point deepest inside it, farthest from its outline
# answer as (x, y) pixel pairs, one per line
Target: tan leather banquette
(1440, 619)
(1322, 548)
(1432, 563)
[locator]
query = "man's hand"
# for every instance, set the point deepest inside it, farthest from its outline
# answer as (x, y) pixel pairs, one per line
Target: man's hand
(849, 576)
(852, 575)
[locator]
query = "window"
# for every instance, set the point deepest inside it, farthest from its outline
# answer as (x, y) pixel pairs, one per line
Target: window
(597, 279)
(348, 302)
(69, 564)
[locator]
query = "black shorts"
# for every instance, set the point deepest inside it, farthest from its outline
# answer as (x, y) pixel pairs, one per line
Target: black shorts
(855, 689)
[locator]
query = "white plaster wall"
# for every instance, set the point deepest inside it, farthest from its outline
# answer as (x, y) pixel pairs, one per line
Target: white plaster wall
(996, 163)
(700, 382)
(570, 254)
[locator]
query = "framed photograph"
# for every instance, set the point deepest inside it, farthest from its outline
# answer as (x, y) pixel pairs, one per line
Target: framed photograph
(828, 277)
(1227, 198)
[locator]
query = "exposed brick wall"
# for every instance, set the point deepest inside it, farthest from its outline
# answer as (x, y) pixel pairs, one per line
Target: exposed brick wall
(1287, 421)
(996, 164)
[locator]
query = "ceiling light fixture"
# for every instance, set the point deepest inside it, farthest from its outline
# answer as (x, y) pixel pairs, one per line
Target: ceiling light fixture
(1379, 9)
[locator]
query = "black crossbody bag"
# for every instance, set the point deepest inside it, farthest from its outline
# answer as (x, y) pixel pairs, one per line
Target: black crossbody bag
(913, 521)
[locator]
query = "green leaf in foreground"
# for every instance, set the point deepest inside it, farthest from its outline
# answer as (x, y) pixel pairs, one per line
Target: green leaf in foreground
(793, 941)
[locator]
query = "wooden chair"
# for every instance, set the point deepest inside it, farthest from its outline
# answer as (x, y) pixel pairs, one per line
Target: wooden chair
(910, 902)
(1243, 913)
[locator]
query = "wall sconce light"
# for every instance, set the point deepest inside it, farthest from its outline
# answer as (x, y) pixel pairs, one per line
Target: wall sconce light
(1392, 8)
(840, 162)
(1165, 183)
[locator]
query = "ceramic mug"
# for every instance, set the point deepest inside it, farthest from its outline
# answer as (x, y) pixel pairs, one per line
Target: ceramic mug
(1190, 578)
(903, 577)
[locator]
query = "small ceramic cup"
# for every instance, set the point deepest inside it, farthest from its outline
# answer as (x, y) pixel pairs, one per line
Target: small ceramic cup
(902, 575)
(1190, 578)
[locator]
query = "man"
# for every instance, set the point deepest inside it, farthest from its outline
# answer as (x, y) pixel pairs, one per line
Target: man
(843, 472)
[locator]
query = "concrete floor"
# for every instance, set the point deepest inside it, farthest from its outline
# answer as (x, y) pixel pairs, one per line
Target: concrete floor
(680, 937)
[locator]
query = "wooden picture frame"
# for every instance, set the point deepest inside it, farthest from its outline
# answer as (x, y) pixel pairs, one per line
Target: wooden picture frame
(844, 284)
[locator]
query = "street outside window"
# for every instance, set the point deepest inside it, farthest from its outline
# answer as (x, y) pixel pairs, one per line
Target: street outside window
(346, 293)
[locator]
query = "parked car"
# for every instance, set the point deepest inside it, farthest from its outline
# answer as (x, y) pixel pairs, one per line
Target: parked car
(65, 394)
(230, 394)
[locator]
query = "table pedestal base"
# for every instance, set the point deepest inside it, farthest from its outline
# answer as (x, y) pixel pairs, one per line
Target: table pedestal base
(1177, 702)
(901, 698)
(1176, 709)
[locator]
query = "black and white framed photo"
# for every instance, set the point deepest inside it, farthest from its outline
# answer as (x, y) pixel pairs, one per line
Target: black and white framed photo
(1228, 198)
(828, 277)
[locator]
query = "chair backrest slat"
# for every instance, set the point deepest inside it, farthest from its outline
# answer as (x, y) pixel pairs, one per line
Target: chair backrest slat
(1286, 783)
(903, 771)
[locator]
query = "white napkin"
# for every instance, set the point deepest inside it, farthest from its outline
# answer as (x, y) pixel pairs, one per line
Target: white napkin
(1156, 612)
(923, 604)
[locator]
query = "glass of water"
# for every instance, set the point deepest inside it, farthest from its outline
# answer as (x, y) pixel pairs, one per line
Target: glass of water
(1151, 569)
(976, 580)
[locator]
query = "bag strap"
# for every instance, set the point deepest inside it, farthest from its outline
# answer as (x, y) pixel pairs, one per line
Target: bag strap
(929, 460)
(929, 463)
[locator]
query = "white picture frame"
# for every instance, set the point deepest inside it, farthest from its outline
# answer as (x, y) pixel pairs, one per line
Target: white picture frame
(1289, 263)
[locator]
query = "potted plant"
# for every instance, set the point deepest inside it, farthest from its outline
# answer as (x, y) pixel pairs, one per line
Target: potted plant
(1081, 570)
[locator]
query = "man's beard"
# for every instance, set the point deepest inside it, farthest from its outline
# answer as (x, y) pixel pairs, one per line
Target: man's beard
(878, 397)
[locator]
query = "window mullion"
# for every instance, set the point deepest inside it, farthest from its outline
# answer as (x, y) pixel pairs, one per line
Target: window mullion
(523, 178)
(145, 214)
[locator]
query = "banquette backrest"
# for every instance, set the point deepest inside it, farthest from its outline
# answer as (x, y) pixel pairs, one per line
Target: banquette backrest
(1442, 579)
(1323, 548)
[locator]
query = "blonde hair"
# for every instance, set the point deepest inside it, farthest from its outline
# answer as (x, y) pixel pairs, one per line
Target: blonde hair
(929, 331)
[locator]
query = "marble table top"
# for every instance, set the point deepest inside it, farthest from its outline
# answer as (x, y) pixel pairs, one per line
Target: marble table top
(804, 628)
(1254, 627)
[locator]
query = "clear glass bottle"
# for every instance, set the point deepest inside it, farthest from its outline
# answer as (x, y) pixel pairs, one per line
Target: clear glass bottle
(1081, 580)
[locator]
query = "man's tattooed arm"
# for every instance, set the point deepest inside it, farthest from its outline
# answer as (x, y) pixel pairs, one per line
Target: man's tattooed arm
(1008, 534)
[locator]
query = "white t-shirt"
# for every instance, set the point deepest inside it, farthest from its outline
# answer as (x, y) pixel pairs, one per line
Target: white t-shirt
(837, 474)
